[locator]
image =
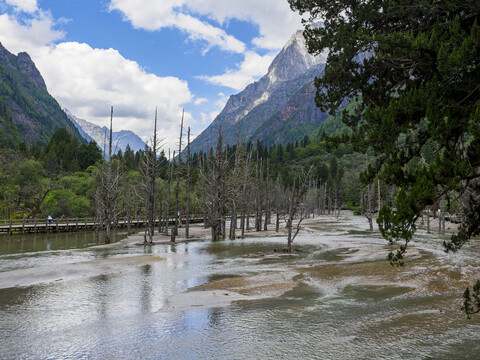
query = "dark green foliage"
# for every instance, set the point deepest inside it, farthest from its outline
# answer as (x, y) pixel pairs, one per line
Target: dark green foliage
(412, 68)
(9, 135)
(65, 153)
(471, 303)
(333, 125)
(88, 155)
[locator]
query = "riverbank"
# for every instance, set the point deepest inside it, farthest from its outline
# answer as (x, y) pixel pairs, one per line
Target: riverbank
(196, 233)
(234, 288)
(35, 275)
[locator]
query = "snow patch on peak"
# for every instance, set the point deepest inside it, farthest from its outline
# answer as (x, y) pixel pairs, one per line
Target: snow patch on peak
(298, 40)
(295, 38)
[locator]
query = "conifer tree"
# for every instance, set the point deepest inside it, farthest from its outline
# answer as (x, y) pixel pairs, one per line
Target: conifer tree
(411, 68)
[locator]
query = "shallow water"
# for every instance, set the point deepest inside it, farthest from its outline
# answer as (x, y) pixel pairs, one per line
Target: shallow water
(346, 301)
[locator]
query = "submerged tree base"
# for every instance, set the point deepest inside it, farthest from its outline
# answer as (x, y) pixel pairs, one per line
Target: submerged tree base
(286, 250)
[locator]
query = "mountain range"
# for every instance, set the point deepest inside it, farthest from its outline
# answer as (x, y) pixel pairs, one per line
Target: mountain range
(98, 134)
(279, 108)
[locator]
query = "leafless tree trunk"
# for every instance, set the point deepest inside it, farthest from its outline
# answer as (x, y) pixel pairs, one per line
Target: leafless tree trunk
(204, 189)
(129, 212)
(296, 208)
(177, 187)
(368, 211)
(160, 212)
(441, 216)
(167, 198)
(109, 189)
(259, 195)
(428, 220)
(150, 170)
(177, 212)
(215, 177)
(187, 225)
(245, 201)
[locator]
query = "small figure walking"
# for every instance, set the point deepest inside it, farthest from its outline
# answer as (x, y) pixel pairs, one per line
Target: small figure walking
(50, 219)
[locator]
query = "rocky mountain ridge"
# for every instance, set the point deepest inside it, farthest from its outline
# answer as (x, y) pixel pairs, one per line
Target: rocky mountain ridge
(98, 134)
(278, 108)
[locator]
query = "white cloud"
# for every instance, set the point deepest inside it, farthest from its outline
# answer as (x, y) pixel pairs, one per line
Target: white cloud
(253, 67)
(88, 81)
(215, 36)
(155, 15)
(275, 20)
(30, 36)
(28, 6)
(200, 101)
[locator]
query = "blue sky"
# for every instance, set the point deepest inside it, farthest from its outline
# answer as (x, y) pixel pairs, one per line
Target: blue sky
(140, 54)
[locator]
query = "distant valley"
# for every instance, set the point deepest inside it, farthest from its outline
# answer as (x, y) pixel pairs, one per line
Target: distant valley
(121, 139)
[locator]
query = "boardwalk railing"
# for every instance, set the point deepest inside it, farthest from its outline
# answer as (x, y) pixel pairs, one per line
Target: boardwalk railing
(74, 224)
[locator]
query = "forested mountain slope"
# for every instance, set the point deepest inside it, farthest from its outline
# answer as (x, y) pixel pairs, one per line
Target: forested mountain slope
(28, 113)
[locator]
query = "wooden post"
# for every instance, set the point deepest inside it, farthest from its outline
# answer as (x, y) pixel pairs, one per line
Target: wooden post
(23, 225)
(35, 225)
(10, 227)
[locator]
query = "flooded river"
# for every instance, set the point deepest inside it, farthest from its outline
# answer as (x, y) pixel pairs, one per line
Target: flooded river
(336, 298)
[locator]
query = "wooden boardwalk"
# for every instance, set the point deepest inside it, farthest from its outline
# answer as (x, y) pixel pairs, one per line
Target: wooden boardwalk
(24, 226)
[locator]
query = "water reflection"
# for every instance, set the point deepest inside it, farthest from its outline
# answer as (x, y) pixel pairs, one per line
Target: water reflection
(347, 302)
(25, 243)
(146, 289)
(103, 297)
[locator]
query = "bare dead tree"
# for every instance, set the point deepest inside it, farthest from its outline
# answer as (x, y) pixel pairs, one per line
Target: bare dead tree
(167, 196)
(109, 189)
(367, 208)
(174, 231)
(268, 200)
(149, 172)
(215, 177)
(259, 194)
(161, 207)
(177, 187)
(246, 176)
(187, 225)
(297, 209)
(235, 184)
(266, 196)
(278, 192)
(203, 170)
(128, 210)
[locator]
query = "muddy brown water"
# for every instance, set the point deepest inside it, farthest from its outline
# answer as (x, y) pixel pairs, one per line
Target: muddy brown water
(337, 298)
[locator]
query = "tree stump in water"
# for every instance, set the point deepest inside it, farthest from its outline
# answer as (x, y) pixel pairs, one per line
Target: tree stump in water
(286, 250)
